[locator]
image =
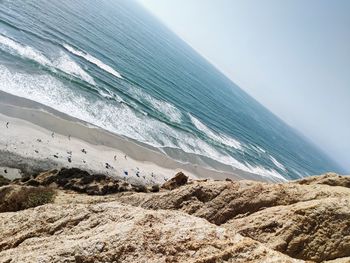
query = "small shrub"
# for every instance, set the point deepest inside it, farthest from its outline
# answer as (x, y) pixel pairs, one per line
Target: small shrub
(4, 181)
(140, 188)
(155, 188)
(37, 198)
(26, 197)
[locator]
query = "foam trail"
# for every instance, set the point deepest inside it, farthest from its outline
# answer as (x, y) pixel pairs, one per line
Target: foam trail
(277, 163)
(67, 65)
(63, 62)
(93, 60)
(166, 108)
(23, 51)
(221, 138)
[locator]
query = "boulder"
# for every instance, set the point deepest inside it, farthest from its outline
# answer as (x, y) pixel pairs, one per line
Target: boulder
(178, 180)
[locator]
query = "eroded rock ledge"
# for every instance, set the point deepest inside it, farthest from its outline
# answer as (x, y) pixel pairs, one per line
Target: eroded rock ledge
(196, 221)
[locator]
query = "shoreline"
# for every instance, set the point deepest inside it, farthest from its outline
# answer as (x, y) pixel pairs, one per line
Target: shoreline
(29, 120)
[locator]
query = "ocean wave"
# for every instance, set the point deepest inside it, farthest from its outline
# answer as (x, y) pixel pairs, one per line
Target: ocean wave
(264, 172)
(115, 117)
(93, 60)
(277, 163)
(67, 65)
(7, 44)
(63, 62)
(166, 108)
(221, 138)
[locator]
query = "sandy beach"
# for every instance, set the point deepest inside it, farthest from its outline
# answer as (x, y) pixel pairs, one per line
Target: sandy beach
(35, 138)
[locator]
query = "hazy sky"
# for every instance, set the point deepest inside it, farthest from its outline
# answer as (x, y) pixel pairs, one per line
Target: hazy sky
(293, 56)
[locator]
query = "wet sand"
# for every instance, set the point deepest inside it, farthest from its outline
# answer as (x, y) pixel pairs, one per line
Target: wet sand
(34, 137)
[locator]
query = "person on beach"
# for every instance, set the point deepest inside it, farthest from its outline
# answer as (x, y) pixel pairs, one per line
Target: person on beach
(125, 156)
(7, 125)
(52, 134)
(115, 157)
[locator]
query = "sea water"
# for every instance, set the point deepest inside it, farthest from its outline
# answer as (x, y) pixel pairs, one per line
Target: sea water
(112, 64)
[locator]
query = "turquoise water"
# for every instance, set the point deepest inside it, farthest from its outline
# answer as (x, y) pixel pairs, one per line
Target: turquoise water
(112, 64)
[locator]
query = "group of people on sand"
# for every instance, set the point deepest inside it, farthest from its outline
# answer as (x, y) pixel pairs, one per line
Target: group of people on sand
(106, 165)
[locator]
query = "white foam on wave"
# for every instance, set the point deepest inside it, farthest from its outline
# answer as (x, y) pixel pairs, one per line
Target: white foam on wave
(117, 118)
(260, 149)
(264, 172)
(24, 51)
(67, 65)
(168, 109)
(221, 138)
(93, 60)
(63, 62)
(277, 163)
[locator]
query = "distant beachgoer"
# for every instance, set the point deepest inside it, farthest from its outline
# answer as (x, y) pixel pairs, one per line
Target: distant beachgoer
(126, 172)
(7, 125)
(5, 171)
(83, 151)
(125, 156)
(115, 157)
(69, 159)
(138, 174)
(52, 134)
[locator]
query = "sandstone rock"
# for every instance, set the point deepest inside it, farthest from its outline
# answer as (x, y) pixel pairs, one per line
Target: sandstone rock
(111, 232)
(307, 221)
(220, 201)
(315, 230)
(331, 179)
(267, 213)
(178, 180)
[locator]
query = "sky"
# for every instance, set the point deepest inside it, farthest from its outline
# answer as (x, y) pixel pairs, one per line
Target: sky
(293, 56)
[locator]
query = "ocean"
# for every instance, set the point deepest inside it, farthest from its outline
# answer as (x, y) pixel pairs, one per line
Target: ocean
(112, 64)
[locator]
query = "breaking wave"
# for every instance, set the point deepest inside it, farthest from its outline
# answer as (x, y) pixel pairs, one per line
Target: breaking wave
(63, 62)
(117, 118)
(220, 138)
(93, 60)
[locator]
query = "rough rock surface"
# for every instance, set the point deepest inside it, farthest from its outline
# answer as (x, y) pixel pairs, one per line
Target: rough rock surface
(224, 221)
(111, 232)
(220, 201)
(306, 221)
(316, 230)
(331, 179)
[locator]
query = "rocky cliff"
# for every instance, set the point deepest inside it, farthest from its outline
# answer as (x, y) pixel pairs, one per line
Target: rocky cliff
(194, 221)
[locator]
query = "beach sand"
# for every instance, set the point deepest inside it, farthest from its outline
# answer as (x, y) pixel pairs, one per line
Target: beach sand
(34, 138)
